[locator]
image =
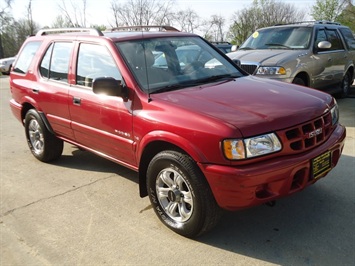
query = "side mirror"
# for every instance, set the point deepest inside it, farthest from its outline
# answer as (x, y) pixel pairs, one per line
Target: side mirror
(237, 62)
(234, 48)
(109, 86)
(324, 45)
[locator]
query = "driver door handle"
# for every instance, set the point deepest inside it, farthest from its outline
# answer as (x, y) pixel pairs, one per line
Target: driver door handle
(76, 100)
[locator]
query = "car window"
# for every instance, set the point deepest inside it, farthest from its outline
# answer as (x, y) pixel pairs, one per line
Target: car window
(348, 37)
(334, 39)
(320, 37)
(25, 57)
(279, 38)
(95, 61)
(55, 63)
(186, 54)
(175, 63)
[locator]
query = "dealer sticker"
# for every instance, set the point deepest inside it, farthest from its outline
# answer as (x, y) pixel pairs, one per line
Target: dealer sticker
(321, 165)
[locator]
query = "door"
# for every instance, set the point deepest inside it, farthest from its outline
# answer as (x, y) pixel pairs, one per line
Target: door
(100, 122)
(328, 63)
(52, 89)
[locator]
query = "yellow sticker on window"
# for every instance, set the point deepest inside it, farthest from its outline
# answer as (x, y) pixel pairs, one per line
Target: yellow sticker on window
(255, 35)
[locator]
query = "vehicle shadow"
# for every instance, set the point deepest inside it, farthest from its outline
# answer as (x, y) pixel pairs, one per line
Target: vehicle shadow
(352, 91)
(313, 227)
(87, 161)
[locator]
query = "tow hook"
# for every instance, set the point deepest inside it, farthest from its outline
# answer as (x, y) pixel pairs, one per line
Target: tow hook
(271, 203)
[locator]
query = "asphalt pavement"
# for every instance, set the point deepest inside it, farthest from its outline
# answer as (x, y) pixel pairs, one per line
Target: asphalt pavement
(85, 210)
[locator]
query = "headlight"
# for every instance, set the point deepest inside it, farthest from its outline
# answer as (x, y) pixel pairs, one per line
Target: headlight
(237, 149)
(335, 114)
(263, 70)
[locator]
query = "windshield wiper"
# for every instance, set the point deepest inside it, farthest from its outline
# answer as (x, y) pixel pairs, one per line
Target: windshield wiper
(246, 48)
(277, 44)
(173, 87)
(192, 83)
(217, 78)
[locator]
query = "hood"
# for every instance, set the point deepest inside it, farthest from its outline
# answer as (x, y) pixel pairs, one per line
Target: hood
(253, 105)
(265, 57)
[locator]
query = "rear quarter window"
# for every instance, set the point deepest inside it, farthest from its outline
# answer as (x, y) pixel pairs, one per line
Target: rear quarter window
(26, 56)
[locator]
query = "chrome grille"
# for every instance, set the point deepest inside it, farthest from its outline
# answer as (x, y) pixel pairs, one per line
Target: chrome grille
(249, 68)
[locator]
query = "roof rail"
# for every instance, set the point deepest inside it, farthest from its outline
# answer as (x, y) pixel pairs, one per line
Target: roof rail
(91, 31)
(327, 22)
(144, 28)
(310, 22)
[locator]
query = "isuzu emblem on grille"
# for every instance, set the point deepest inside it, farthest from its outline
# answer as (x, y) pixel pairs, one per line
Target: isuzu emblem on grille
(314, 133)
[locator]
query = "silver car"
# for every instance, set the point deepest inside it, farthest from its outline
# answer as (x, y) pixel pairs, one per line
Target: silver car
(6, 64)
(320, 55)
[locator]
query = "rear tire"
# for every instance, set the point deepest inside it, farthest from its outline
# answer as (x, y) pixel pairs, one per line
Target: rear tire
(180, 194)
(43, 144)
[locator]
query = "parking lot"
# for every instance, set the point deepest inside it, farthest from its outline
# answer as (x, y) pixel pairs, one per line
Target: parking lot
(85, 210)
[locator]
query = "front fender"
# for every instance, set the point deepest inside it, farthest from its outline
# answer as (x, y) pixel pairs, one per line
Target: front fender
(171, 138)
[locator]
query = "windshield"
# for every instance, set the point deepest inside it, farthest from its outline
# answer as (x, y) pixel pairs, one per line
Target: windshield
(279, 38)
(161, 64)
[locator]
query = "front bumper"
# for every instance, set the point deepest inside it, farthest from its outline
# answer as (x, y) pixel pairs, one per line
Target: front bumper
(249, 185)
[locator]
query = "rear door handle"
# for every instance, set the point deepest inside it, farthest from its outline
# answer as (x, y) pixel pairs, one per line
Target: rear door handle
(76, 100)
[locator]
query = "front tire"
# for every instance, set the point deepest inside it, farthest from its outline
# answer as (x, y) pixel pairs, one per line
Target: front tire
(43, 144)
(299, 81)
(180, 194)
(345, 85)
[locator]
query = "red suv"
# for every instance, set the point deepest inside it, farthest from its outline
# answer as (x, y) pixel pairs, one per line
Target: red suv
(202, 135)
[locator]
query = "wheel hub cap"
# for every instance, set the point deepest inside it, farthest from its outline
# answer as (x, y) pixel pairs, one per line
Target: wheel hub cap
(174, 195)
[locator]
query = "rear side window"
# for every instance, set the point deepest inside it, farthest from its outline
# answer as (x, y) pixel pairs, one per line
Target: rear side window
(26, 56)
(349, 38)
(55, 63)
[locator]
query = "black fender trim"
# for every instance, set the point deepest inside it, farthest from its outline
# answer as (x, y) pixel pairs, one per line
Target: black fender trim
(46, 122)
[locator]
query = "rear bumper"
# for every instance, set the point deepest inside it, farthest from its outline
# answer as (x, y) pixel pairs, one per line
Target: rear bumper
(16, 109)
(250, 185)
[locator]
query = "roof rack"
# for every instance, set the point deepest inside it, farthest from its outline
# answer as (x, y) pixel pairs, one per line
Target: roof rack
(311, 22)
(221, 43)
(144, 28)
(91, 31)
(327, 22)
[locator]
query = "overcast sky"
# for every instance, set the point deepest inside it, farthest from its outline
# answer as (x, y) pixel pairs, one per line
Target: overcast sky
(98, 11)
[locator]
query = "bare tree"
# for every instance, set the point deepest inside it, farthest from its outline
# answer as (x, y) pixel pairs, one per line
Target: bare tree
(31, 24)
(262, 13)
(188, 20)
(5, 18)
(4, 7)
(142, 12)
(75, 14)
(61, 22)
(215, 29)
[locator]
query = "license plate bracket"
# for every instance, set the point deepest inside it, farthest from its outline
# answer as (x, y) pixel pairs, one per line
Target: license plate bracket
(321, 164)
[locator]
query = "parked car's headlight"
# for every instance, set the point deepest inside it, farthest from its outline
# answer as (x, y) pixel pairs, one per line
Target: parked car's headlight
(237, 149)
(263, 70)
(335, 114)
